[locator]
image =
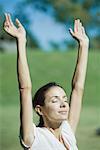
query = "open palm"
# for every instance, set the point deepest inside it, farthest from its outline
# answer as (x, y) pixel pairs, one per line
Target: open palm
(79, 32)
(10, 28)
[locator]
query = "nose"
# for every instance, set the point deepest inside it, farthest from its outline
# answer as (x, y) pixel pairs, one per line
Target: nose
(62, 104)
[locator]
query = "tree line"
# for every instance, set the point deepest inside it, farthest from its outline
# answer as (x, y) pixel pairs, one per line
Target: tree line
(63, 11)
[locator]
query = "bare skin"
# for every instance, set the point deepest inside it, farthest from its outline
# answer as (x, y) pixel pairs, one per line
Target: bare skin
(52, 102)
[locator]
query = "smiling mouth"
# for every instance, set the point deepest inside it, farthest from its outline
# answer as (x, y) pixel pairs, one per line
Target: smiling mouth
(62, 112)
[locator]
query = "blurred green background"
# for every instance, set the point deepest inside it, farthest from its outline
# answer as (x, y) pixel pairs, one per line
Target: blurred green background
(47, 23)
(45, 67)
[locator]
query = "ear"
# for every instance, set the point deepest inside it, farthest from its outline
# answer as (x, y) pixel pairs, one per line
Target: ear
(38, 110)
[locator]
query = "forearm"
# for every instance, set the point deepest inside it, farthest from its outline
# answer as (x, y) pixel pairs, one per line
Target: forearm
(81, 66)
(79, 74)
(26, 112)
(22, 65)
(25, 92)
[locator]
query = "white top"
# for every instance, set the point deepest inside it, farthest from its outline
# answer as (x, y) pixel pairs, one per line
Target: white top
(45, 140)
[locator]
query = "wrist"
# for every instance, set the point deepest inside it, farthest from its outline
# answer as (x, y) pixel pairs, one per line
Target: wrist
(22, 39)
(84, 43)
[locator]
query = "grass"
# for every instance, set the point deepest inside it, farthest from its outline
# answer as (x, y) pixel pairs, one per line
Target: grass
(46, 67)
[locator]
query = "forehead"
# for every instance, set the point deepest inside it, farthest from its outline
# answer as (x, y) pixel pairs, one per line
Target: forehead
(55, 91)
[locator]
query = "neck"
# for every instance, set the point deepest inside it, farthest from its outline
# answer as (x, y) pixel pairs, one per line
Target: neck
(53, 125)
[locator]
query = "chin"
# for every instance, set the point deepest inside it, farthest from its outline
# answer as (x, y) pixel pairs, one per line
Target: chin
(62, 119)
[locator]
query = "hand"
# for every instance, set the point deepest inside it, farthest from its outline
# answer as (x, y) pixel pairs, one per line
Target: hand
(79, 32)
(10, 28)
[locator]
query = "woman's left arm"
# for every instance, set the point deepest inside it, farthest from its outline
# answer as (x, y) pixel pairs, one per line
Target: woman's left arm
(79, 74)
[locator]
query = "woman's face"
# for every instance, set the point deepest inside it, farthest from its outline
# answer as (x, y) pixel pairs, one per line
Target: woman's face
(56, 106)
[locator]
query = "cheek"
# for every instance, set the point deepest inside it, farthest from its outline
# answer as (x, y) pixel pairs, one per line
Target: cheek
(52, 108)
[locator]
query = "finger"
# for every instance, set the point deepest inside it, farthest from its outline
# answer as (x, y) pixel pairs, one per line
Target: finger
(83, 30)
(6, 16)
(10, 20)
(71, 31)
(18, 23)
(78, 25)
(6, 23)
(75, 26)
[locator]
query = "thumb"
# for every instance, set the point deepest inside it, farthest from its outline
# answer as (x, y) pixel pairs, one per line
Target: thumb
(71, 31)
(18, 23)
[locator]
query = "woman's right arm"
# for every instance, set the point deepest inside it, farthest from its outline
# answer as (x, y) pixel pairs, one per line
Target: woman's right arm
(24, 80)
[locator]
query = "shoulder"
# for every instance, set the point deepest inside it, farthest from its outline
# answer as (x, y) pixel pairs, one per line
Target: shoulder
(67, 132)
(65, 127)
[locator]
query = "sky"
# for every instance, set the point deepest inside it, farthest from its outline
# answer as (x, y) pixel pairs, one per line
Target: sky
(44, 27)
(47, 29)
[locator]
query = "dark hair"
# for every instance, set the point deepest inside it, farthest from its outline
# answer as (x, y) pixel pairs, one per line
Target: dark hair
(39, 97)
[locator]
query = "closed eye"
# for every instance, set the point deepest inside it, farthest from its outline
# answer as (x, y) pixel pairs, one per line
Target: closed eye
(66, 101)
(54, 99)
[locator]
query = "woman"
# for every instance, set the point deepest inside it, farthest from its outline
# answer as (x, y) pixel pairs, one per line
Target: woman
(58, 120)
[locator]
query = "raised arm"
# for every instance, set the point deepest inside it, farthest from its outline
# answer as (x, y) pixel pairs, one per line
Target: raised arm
(79, 74)
(24, 80)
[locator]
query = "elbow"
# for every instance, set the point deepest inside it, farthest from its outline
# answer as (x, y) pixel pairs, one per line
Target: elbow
(26, 138)
(28, 141)
(25, 88)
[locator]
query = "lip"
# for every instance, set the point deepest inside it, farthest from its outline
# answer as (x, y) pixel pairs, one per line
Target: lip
(62, 112)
